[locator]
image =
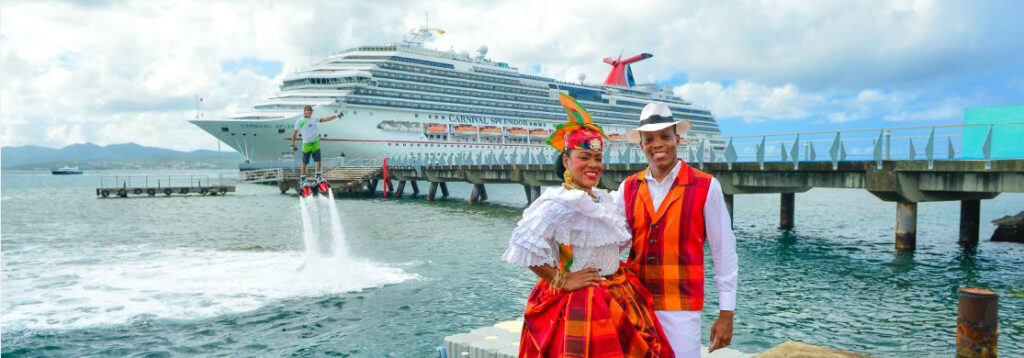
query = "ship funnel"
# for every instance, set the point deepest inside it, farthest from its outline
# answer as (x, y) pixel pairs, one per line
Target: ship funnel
(621, 75)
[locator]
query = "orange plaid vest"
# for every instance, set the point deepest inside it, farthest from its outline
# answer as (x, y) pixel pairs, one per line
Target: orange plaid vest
(668, 243)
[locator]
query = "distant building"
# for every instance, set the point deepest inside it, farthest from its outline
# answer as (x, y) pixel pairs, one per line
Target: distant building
(1007, 139)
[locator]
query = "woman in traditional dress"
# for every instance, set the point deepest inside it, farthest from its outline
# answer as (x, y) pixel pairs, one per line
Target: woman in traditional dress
(586, 303)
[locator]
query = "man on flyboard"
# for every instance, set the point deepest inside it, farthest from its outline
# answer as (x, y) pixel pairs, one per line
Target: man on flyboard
(309, 128)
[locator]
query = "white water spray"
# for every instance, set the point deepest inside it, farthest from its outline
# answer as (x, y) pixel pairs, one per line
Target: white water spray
(322, 234)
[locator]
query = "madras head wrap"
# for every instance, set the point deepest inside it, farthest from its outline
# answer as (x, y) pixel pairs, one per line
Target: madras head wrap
(579, 132)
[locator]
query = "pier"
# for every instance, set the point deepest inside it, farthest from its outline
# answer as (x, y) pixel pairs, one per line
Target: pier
(882, 161)
(167, 185)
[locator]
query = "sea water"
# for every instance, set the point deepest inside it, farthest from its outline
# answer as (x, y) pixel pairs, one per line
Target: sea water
(247, 274)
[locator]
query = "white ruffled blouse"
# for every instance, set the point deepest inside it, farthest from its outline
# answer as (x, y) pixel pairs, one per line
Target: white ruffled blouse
(597, 231)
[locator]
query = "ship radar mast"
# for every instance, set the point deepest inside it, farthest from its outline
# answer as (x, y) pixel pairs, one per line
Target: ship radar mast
(418, 36)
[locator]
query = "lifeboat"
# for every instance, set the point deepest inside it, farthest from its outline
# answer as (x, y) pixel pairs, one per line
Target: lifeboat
(436, 128)
(491, 131)
(518, 132)
(466, 130)
(616, 137)
(539, 133)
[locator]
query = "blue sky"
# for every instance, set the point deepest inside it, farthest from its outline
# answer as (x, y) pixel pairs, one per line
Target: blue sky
(98, 72)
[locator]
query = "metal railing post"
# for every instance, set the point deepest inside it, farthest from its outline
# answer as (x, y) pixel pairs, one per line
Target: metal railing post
(760, 154)
(833, 152)
(929, 149)
(987, 149)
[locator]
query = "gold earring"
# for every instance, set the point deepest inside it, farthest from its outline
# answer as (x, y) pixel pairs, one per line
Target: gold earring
(568, 183)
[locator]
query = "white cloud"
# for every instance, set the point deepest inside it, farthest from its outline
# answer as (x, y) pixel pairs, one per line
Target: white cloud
(126, 71)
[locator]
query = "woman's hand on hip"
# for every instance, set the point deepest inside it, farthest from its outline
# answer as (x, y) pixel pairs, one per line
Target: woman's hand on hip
(581, 279)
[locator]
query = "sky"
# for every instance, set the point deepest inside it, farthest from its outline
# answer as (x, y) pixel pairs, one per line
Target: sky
(111, 72)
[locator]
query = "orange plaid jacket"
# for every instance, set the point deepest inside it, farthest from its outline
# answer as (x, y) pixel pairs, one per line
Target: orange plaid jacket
(668, 242)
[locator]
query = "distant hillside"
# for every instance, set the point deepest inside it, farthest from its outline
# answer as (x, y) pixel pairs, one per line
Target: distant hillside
(114, 155)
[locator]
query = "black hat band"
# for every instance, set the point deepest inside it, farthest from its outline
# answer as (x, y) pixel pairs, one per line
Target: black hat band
(655, 119)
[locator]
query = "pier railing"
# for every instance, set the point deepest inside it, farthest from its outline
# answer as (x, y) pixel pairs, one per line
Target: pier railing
(986, 142)
(161, 181)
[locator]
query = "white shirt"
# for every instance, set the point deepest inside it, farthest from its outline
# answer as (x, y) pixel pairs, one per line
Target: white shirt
(311, 131)
(717, 224)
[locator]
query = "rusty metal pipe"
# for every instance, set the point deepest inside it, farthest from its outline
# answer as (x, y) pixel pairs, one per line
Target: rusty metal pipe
(977, 319)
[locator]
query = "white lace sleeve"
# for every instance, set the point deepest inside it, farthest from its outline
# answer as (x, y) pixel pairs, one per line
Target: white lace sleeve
(564, 216)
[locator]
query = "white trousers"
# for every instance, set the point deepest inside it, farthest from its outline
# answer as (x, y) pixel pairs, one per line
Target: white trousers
(682, 328)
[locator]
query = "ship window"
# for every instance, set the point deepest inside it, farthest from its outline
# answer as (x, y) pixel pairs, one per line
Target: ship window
(223, 129)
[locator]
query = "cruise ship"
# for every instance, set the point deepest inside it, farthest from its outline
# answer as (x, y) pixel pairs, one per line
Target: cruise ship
(405, 98)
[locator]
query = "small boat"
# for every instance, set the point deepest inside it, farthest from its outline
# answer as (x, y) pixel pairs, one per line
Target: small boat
(491, 131)
(539, 133)
(518, 132)
(466, 129)
(616, 137)
(66, 170)
(436, 128)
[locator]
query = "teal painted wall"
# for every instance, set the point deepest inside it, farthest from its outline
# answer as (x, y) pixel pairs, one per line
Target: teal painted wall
(1007, 140)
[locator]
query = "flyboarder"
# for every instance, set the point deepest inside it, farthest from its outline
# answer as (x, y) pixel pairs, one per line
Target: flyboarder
(309, 128)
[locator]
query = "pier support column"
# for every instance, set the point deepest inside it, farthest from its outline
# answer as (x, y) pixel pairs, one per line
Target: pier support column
(371, 187)
(906, 225)
(970, 216)
(728, 206)
(432, 191)
(401, 189)
(477, 195)
(415, 188)
(532, 193)
(444, 190)
(483, 193)
(390, 185)
(977, 320)
(283, 186)
(786, 209)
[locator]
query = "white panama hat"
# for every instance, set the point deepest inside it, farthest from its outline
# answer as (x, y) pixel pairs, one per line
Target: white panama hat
(654, 117)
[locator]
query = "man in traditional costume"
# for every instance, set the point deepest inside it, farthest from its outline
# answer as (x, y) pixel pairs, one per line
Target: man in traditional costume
(586, 303)
(672, 209)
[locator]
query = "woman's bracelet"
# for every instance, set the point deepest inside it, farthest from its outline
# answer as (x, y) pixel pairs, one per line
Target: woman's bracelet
(558, 281)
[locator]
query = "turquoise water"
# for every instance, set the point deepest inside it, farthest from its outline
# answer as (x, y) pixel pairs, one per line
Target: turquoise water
(219, 275)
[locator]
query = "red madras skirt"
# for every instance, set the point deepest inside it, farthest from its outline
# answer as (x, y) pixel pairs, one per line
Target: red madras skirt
(615, 319)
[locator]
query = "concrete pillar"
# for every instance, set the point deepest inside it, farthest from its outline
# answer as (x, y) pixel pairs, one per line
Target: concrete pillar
(283, 186)
(432, 191)
(786, 209)
(536, 193)
(483, 192)
(906, 225)
(529, 194)
(390, 185)
(371, 187)
(401, 189)
(415, 188)
(444, 190)
(970, 217)
(977, 319)
(728, 205)
(474, 196)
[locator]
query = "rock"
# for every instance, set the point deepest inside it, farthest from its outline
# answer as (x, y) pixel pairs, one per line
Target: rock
(792, 349)
(1011, 228)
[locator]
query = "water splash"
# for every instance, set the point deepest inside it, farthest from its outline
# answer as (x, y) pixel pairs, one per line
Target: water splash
(125, 283)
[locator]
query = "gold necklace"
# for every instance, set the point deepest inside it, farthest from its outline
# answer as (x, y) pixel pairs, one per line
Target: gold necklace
(570, 184)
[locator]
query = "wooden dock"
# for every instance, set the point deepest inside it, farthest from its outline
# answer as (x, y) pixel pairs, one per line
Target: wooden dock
(342, 178)
(123, 186)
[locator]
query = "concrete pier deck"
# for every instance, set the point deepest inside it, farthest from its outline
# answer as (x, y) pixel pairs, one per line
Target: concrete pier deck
(502, 341)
